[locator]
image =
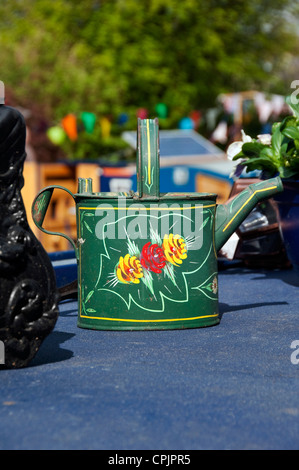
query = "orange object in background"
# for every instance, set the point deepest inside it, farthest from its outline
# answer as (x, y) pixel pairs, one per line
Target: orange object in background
(61, 216)
(69, 124)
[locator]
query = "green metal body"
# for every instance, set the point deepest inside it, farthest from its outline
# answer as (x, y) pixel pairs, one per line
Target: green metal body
(182, 295)
(149, 260)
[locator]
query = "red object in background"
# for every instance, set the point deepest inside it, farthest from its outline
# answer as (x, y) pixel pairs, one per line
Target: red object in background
(142, 113)
(195, 116)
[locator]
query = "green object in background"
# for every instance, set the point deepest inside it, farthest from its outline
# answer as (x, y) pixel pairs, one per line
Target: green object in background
(161, 110)
(56, 135)
(89, 121)
(149, 260)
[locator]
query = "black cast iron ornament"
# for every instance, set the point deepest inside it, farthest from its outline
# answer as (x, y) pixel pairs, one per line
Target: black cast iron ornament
(28, 293)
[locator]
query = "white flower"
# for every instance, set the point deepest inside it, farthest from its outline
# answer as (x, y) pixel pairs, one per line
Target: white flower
(236, 147)
(245, 138)
(265, 139)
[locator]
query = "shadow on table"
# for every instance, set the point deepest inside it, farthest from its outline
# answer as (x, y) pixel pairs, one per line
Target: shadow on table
(68, 308)
(289, 276)
(51, 351)
(225, 308)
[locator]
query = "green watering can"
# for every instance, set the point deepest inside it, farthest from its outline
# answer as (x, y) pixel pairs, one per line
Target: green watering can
(149, 260)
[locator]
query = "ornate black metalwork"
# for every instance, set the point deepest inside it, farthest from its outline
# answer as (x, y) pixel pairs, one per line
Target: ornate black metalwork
(28, 293)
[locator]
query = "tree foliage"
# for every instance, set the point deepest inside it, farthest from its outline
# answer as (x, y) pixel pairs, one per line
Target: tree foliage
(113, 56)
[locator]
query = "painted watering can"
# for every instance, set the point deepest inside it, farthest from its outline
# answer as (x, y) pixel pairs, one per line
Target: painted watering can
(149, 260)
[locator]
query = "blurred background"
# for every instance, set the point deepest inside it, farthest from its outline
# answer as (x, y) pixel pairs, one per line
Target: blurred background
(83, 72)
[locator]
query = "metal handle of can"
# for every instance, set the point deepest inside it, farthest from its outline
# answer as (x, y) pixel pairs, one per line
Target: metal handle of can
(148, 159)
(39, 209)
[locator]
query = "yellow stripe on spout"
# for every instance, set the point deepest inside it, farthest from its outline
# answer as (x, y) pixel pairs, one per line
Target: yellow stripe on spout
(245, 203)
(149, 153)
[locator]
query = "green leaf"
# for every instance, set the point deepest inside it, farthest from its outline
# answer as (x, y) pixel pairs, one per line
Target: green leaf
(294, 162)
(261, 163)
(291, 132)
(87, 226)
(89, 295)
(239, 155)
(293, 104)
(275, 126)
(269, 153)
(277, 139)
(287, 172)
(252, 149)
(288, 121)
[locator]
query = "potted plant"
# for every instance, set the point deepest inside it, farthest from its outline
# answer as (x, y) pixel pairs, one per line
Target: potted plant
(277, 154)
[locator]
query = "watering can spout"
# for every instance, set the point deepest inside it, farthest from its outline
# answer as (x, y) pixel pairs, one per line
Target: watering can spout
(230, 215)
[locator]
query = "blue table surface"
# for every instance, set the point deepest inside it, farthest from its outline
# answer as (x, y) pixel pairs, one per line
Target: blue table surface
(230, 386)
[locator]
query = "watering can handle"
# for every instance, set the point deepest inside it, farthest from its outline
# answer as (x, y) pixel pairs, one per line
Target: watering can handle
(148, 164)
(39, 209)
